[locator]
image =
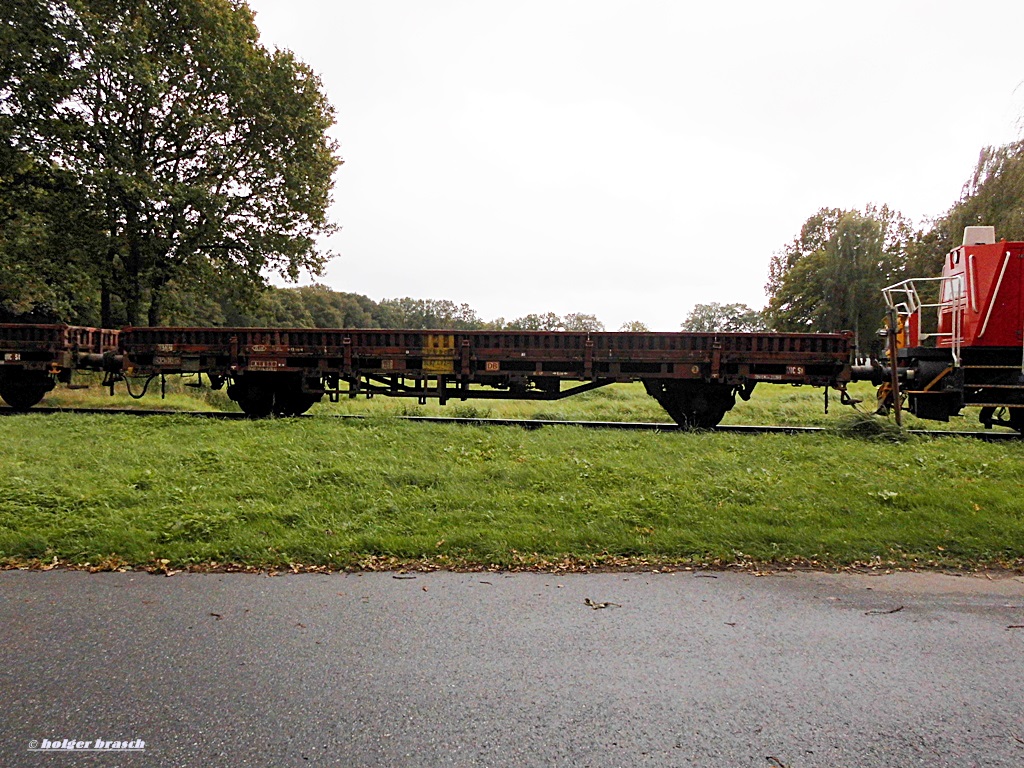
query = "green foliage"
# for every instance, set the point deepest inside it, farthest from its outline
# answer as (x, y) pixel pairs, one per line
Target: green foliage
(728, 318)
(574, 321)
(533, 322)
(634, 326)
(47, 230)
(199, 158)
(992, 196)
(45, 217)
(317, 306)
(312, 306)
(830, 277)
(579, 321)
(426, 313)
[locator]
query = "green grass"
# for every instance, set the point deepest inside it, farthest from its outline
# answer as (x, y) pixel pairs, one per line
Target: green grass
(179, 396)
(338, 492)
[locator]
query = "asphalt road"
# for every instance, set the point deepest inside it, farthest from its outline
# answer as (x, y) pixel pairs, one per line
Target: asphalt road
(722, 669)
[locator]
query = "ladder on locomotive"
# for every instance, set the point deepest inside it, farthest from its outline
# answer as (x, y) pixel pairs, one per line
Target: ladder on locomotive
(905, 298)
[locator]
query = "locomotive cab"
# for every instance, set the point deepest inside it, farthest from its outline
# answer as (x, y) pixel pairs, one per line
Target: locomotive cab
(980, 304)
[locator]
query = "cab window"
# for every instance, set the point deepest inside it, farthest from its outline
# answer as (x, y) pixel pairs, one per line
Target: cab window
(953, 288)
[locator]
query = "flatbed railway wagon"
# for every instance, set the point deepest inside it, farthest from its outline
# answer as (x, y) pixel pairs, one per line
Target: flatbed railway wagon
(33, 358)
(696, 377)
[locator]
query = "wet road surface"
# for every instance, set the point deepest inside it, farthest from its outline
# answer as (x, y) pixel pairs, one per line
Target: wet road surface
(485, 669)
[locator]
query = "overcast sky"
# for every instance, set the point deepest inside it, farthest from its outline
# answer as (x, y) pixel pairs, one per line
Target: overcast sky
(631, 159)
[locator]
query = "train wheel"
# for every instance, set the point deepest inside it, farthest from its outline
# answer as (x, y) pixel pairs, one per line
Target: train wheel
(23, 389)
(1017, 419)
(291, 403)
(254, 396)
(289, 399)
(692, 404)
(1003, 417)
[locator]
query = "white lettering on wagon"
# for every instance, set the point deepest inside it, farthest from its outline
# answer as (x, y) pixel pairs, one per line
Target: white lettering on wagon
(266, 365)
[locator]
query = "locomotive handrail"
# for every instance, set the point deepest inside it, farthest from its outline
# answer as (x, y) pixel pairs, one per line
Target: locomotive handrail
(905, 298)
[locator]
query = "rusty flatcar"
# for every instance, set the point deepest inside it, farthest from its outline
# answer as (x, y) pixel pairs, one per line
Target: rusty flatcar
(696, 377)
(33, 358)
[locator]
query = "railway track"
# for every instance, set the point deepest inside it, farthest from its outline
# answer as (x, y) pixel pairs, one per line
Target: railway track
(988, 436)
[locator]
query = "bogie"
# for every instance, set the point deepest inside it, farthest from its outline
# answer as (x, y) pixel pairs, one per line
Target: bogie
(261, 394)
(23, 389)
(693, 404)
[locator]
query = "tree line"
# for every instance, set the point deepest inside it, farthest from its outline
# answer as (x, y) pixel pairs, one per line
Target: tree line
(317, 306)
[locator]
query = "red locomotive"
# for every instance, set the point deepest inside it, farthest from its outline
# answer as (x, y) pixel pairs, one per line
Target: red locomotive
(971, 351)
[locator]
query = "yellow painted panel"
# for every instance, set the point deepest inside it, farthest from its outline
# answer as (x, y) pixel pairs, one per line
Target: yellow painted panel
(438, 365)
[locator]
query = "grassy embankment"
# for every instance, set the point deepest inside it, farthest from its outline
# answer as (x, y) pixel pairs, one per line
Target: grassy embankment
(342, 493)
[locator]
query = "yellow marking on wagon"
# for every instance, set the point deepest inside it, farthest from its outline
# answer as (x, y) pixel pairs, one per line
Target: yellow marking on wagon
(439, 352)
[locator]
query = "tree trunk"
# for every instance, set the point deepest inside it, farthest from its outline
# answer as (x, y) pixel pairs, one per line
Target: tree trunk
(106, 314)
(156, 304)
(133, 268)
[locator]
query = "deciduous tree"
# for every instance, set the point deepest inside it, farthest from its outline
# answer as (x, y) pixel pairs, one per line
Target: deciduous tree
(427, 313)
(634, 326)
(203, 156)
(992, 196)
(729, 318)
(580, 321)
(534, 322)
(830, 277)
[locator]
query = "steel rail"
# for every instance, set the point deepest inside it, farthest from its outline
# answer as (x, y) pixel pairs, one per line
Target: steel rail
(635, 426)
